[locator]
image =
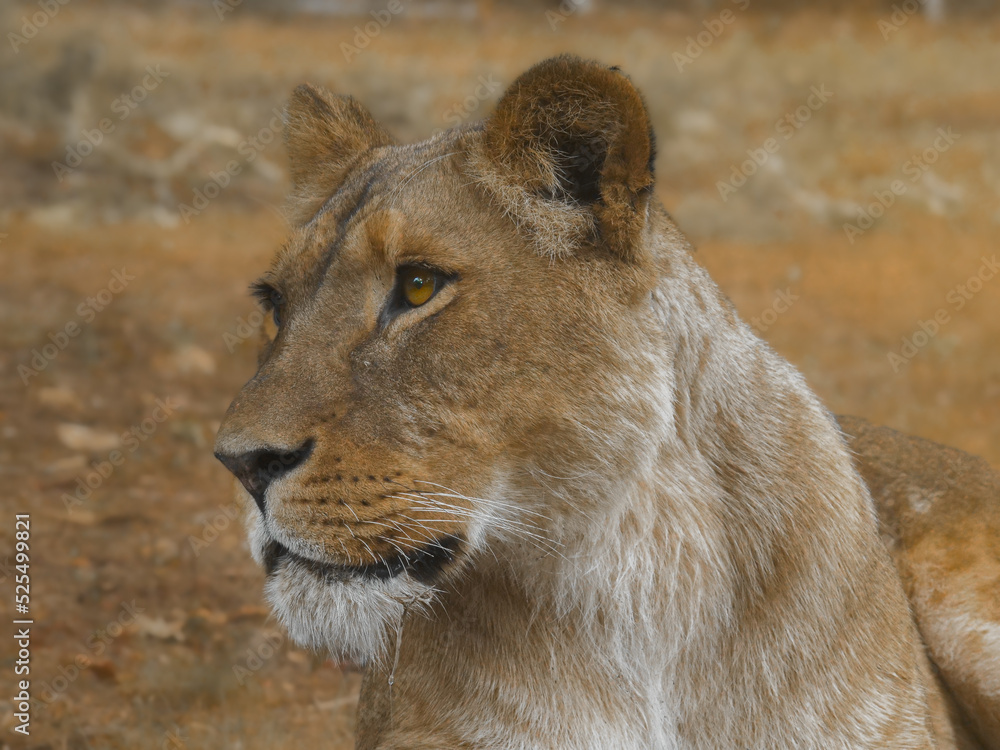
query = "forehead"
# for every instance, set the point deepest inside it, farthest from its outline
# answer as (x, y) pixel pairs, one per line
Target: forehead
(415, 184)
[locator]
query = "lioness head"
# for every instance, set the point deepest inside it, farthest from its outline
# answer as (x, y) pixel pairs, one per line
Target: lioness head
(461, 328)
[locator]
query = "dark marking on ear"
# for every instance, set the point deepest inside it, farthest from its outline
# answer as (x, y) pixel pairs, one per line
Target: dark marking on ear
(580, 169)
(575, 131)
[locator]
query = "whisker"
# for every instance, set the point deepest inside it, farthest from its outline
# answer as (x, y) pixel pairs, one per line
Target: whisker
(449, 492)
(417, 171)
(526, 529)
(511, 524)
(427, 502)
(427, 498)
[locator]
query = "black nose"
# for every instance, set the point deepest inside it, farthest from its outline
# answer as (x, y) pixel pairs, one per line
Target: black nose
(257, 469)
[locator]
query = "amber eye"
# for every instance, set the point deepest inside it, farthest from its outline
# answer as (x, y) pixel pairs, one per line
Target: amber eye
(418, 285)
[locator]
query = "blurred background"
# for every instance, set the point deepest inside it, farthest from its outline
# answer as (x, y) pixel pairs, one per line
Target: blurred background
(836, 164)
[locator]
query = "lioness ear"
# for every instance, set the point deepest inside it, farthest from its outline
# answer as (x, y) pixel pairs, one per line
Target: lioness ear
(569, 151)
(324, 133)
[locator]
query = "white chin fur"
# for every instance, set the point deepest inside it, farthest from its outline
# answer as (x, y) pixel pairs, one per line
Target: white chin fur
(351, 619)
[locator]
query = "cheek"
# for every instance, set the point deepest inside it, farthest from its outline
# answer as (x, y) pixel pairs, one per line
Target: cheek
(428, 392)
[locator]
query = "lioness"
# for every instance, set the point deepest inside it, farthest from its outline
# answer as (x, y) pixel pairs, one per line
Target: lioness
(512, 449)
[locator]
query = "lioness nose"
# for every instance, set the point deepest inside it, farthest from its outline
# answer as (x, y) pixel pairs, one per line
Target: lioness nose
(257, 469)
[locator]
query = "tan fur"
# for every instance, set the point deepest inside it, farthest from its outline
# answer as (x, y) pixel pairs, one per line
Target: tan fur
(647, 531)
(939, 514)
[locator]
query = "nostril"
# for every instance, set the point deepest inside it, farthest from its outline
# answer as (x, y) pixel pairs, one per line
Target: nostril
(273, 464)
(257, 469)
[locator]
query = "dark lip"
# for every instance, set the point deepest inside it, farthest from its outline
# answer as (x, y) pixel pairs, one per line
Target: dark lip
(423, 565)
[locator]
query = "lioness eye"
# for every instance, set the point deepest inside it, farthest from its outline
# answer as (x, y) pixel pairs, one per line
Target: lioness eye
(277, 301)
(270, 298)
(418, 285)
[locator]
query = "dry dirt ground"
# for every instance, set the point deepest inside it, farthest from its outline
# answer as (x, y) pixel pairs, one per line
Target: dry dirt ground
(150, 629)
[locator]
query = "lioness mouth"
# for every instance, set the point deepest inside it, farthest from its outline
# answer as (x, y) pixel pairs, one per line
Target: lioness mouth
(422, 564)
